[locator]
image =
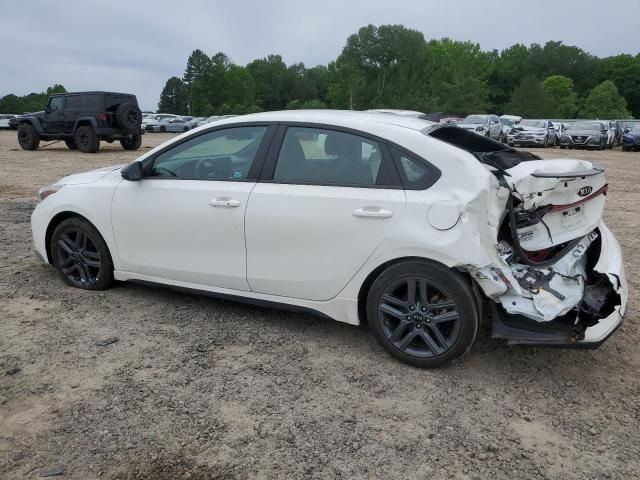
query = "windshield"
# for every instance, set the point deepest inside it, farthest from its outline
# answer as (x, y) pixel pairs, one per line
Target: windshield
(476, 119)
(507, 122)
(596, 127)
(533, 123)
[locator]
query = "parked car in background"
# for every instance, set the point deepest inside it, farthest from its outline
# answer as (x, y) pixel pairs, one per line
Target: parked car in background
(177, 124)
(485, 125)
(585, 134)
(156, 118)
(84, 119)
(453, 229)
(631, 138)
(611, 133)
(451, 120)
(533, 133)
(5, 120)
(507, 127)
(513, 118)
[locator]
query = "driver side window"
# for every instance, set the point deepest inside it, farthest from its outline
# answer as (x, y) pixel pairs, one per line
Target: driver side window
(221, 155)
(55, 104)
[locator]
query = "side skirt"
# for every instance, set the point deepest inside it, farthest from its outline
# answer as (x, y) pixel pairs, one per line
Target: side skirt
(337, 309)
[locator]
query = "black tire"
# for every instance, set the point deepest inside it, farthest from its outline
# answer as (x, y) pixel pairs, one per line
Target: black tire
(131, 143)
(28, 137)
(129, 117)
(81, 256)
(426, 336)
(163, 129)
(87, 140)
(71, 144)
(625, 148)
(185, 129)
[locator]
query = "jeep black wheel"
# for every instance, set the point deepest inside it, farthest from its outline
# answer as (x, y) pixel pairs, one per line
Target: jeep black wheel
(87, 140)
(163, 129)
(71, 144)
(131, 143)
(129, 117)
(28, 137)
(423, 313)
(81, 255)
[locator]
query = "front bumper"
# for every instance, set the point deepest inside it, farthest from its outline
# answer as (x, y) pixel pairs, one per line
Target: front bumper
(525, 142)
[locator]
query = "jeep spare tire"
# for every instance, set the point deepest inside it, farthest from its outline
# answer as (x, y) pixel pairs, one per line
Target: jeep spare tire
(128, 117)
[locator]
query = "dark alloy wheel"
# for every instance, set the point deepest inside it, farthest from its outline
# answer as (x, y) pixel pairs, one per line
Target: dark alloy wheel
(81, 255)
(28, 137)
(423, 313)
(87, 140)
(163, 129)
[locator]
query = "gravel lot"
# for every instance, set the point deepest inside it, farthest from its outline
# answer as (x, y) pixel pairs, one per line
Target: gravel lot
(138, 382)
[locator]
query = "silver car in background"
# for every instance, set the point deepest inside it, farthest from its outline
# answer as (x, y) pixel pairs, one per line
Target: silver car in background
(4, 121)
(533, 133)
(485, 125)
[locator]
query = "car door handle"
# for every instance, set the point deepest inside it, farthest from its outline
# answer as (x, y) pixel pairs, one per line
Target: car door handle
(374, 212)
(224, 202)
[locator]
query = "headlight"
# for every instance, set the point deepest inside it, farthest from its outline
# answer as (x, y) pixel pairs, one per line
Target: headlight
(539, 134)
(44, 192)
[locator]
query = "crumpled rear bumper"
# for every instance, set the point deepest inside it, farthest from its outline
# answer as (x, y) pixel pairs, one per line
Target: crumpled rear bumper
(610, 264)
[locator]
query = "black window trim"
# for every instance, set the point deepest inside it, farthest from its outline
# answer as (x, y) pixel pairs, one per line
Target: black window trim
(254, 170)
(386, 164)
(430, 179)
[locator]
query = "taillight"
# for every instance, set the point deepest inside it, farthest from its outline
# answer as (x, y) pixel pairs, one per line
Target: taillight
(102, 117)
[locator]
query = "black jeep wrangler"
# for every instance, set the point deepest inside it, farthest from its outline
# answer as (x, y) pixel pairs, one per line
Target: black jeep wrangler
(83, 119)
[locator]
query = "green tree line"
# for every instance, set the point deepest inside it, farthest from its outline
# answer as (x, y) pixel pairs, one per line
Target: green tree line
(391, 66)
(33, 102)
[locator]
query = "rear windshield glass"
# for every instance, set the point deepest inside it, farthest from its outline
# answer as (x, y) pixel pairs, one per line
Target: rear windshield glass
(487, 151)
(585, 126)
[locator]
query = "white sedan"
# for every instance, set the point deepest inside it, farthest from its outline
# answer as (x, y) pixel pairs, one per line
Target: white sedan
(421, 230)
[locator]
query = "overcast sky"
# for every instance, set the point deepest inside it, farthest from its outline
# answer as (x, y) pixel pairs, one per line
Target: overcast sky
(135, 45)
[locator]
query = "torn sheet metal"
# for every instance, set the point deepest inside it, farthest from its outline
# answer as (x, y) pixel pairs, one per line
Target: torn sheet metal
(560, 200)
(541, 294)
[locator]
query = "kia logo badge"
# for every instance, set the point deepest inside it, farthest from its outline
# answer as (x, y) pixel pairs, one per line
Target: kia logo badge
(584, 191)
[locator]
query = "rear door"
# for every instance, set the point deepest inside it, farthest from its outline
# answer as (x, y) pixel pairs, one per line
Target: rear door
(71, 112)
(326, 200)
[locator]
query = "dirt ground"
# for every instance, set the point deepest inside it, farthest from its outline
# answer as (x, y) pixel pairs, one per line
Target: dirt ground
(140, 382)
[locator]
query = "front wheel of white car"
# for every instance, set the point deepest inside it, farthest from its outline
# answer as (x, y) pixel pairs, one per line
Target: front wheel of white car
(423, 313)
(81, 255)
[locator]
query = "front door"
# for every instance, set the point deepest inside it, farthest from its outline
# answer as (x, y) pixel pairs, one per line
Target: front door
(54, 115)
(184, 221)
(321, 214)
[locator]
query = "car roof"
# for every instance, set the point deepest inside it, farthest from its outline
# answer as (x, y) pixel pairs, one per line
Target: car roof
(347, 118)
(93, 92)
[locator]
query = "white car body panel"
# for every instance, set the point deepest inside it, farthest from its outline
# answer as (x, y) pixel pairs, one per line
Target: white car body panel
(302, 246)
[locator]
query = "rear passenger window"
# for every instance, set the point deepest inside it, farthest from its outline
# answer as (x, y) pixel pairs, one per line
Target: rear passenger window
(327, 157)
(415, 173)
(91, 102)
(72, 102)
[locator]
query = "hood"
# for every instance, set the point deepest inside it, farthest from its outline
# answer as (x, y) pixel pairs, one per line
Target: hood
(633, 134)
(524, 128)
(87, 177)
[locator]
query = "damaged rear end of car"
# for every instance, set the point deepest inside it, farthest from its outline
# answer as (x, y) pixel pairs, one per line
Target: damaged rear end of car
(556, 275)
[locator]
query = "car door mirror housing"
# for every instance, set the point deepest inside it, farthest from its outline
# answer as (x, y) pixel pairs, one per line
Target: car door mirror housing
(132, 172)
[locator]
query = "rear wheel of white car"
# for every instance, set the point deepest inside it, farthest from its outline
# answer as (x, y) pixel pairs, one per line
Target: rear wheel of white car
(423, 313)
(81, 255)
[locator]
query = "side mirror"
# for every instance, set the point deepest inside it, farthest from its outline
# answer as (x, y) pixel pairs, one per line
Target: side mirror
(47, 109)
(132, 172)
